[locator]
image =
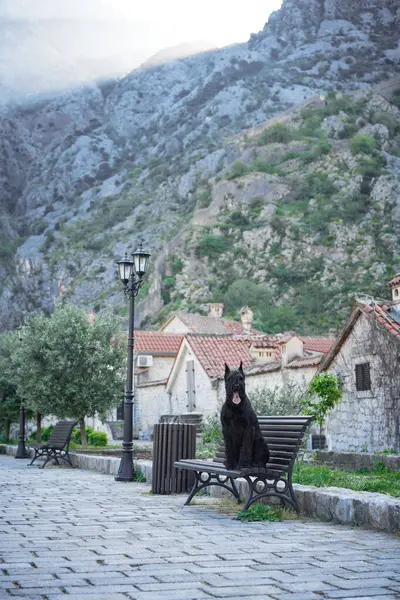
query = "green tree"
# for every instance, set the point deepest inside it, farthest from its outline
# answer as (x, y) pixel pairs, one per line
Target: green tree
(212, 246)
(9, 400)
(70, 368)
(324, 393)
(237, 169)
(362, 143)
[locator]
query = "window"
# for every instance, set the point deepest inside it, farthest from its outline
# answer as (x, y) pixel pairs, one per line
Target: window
(363, 377)
(396, 292)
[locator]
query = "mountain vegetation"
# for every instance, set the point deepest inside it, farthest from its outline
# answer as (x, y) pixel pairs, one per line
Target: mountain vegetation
(264, 173)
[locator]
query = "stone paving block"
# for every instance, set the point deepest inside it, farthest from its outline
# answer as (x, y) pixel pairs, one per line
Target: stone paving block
(107, 596)
(115, 536)
(359, 584)
(346, 594)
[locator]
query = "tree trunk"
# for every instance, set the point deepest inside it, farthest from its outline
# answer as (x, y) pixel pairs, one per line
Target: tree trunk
(38, 428)
(8, 425)
(83, 433)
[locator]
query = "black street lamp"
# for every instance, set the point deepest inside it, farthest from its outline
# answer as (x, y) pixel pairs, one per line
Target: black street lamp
(21, 450)
(131, 273)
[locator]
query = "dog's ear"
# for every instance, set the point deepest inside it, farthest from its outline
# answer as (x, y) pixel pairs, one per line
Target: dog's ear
(241, 367)
(227, 371)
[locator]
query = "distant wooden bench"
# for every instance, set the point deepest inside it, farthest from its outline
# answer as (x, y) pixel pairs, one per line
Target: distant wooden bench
(283, 436)
(57, 446)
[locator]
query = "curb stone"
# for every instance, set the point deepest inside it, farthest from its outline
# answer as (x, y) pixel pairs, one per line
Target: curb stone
(340, 505)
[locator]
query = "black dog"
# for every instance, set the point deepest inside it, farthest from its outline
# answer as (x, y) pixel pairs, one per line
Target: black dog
(244, 443)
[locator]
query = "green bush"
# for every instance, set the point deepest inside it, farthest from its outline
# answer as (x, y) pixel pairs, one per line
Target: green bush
(256, 205)
(316, 185)
(211, 429)
(76, 434)
(97, 438)
(385, 118)
(277, 133)
(237, 169)
(204, 199)
(212, 246)
(177, 265)
(46, 432)
(362, 143)
(262, 166)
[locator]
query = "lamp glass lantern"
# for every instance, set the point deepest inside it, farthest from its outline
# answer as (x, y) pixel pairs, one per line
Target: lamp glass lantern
(141, 259)
(125, 268)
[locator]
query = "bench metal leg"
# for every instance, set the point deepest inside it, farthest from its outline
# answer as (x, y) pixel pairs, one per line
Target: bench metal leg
(200, 484)
(269, 490)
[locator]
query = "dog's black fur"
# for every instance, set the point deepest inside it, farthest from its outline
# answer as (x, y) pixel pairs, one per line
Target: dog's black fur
(244, 444)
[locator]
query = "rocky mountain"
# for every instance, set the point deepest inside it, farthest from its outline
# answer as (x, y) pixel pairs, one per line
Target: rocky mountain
(159, 156)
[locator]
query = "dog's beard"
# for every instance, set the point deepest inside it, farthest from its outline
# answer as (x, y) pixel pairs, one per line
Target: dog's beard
(236, 399)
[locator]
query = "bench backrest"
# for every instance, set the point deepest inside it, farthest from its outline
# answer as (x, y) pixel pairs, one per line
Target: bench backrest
(283, 435)
(61, 434)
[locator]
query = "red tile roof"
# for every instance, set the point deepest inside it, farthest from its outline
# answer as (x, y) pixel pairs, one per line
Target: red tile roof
(213, 351)
(379, 311)
(157, 342)
(395, 281)
(318, 344)
(301, 363)
(376, 310)
(204, 324)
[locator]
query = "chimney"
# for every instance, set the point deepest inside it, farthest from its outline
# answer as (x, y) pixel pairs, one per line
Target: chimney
(395, 285)
(92, 317)
(215, 310)
(246, 316)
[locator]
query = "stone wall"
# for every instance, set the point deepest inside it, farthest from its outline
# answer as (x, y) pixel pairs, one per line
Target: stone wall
(359, 460)
(364, 420)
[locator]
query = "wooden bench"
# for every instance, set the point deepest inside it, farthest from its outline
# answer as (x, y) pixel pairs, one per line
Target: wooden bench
(283, 436)
(57, 446)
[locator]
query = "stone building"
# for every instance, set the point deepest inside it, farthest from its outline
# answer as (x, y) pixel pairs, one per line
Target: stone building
(179, 369)
(366, 356)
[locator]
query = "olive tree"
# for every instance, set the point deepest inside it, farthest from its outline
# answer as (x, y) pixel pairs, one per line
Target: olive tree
(69, 367)
(9, 399)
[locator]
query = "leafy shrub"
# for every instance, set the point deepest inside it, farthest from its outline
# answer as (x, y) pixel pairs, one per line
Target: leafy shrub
(211, 437)
(286, 400)
(211, 429)
(97, 438)
(76, 434)
(204, 199)
(362, 143)
(238, 220)
(139, 474)
(316, 185)
(212, 246)
(168, 284)
(277, 133)
(262, 166)
(6, 251)
(385, 118)
(237, 169)
(256, 205)
(177, 265)
(46, 432)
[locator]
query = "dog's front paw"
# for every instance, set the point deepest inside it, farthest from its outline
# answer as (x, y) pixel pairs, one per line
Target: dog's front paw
(245, 464)
(229, 465)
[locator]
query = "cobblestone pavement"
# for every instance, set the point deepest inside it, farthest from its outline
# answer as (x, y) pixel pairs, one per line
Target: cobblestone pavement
(74, 534)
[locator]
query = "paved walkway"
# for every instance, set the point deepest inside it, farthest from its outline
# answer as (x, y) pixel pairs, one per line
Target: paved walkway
(69, 534)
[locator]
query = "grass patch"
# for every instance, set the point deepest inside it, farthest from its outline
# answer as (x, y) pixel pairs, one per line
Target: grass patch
(380, 479)
(260, 512)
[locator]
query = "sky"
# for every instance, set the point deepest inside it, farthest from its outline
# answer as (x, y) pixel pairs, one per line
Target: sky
(165, 22)
(49, 45)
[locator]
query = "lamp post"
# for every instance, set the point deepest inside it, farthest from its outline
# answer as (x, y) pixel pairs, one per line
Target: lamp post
(21, 450)
(131, 273)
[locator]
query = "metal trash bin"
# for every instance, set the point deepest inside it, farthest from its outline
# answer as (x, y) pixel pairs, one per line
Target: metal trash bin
(172, 442)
